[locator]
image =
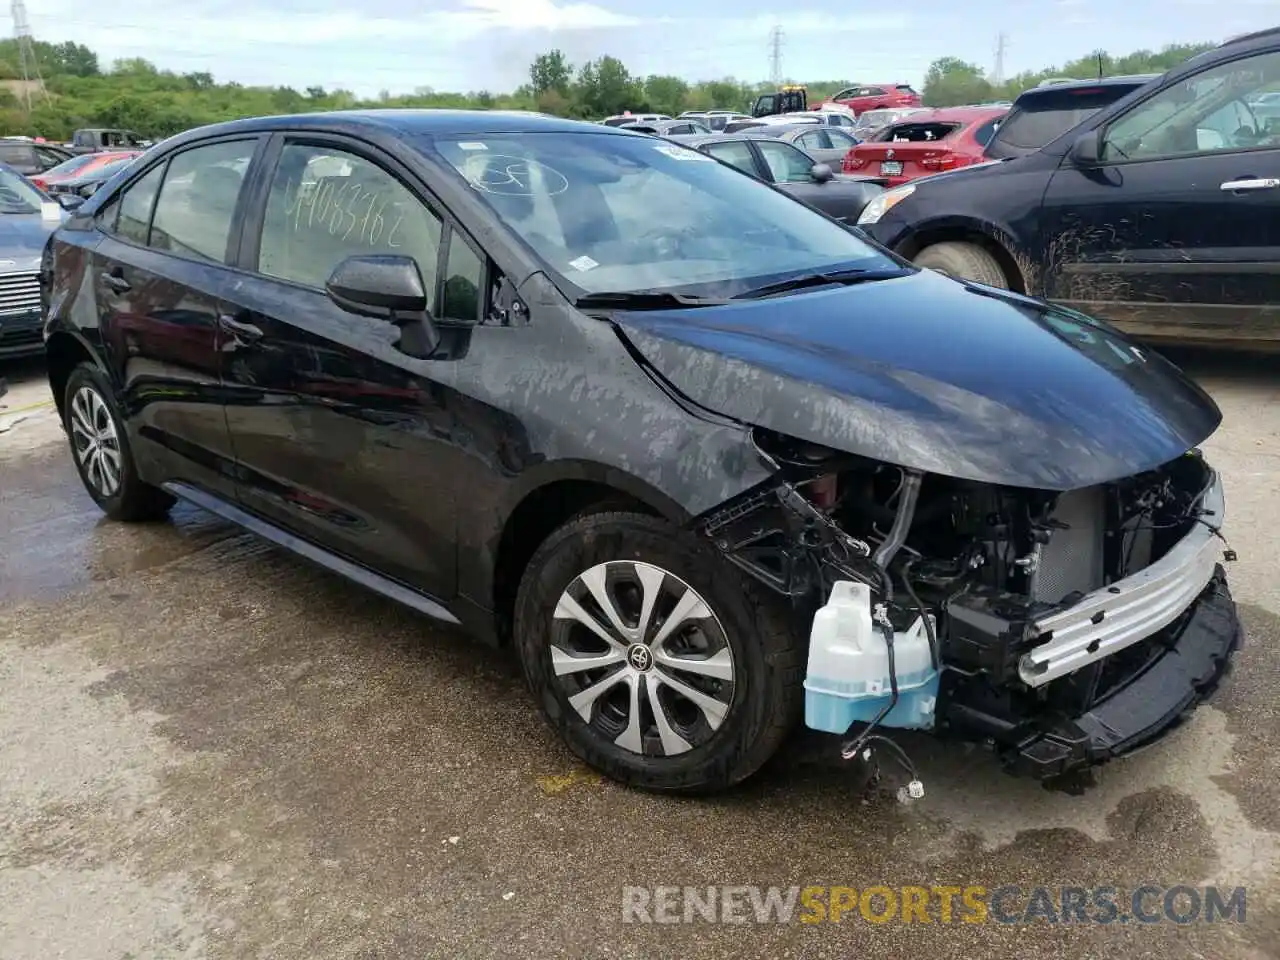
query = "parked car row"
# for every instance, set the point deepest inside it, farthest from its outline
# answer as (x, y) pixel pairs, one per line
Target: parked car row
(771, 155)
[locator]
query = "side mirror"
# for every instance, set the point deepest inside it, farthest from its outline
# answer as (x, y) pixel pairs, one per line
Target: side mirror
(69, 201)
(821, 173)
(1087, 150)
(389, 288)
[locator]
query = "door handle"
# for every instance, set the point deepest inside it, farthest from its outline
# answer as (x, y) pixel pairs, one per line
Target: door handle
(115, 280)
(244, 331)
(1252, 183)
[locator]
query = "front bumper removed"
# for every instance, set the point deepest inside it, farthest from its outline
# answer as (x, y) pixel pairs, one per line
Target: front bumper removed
(1196, 652)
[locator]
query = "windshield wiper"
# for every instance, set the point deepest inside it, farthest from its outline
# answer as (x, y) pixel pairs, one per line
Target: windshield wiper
(846, 277)
(644, 300)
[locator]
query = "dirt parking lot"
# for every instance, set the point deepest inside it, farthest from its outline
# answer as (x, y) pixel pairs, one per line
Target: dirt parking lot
(210, 749)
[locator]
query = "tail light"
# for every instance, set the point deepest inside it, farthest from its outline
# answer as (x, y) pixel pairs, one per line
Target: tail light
(852, 163)
(943, 161)
(40, 184)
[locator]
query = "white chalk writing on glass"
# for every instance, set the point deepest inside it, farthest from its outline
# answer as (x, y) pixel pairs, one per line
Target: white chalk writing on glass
(350, 210)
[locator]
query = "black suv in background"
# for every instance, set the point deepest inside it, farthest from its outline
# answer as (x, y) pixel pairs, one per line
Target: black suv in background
(1157, 213)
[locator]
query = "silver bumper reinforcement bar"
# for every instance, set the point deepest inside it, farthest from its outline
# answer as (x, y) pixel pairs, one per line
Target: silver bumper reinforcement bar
(1113, 617)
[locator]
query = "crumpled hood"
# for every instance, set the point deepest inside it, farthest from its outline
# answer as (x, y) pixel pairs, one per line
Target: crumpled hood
(926, 372)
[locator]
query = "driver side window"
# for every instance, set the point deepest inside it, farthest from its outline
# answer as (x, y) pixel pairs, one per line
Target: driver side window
(1206, 112)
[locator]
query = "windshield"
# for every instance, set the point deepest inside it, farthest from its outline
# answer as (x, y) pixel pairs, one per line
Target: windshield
(614, 213)
(17, 195)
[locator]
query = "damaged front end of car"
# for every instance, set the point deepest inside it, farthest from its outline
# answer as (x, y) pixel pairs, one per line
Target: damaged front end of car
(1062, 628)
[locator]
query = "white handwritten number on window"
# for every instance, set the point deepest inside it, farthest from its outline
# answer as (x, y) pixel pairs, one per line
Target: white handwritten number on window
(349, 210)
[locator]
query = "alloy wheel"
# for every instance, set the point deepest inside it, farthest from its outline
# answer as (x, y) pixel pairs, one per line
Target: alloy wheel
(642, 658)
(95, 441)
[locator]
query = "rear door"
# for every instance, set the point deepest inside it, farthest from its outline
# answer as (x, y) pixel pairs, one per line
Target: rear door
(1174, 232)
(818, 144)
(161, 279)
(338, 435)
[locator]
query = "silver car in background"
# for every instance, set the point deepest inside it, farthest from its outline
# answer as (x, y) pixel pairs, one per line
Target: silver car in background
(27, 217)
(870, 122)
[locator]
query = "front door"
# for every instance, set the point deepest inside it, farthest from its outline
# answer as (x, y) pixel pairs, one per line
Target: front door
(160, 278)
(338, 435)
(1175, 232)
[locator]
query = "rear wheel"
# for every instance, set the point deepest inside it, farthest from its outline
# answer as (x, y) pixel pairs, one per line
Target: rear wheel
(965, 261)
(652, 658)
(101, 450)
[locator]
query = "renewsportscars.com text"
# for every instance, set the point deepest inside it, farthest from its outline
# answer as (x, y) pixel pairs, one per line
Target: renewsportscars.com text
(1010, 904)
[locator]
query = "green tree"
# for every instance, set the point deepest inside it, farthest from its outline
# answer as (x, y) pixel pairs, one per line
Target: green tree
(71, 58)
(605, 87)
(951, 82)
(551, 71)
(666, 94)
(139, 95)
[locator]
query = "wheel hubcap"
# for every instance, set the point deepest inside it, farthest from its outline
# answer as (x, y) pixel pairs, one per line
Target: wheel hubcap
(95, 442)
(642, 659)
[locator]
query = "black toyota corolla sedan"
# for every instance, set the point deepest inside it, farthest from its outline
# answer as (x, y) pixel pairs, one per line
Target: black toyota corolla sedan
(709, 460)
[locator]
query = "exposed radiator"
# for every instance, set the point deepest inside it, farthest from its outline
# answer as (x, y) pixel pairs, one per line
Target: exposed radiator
(1073, 558)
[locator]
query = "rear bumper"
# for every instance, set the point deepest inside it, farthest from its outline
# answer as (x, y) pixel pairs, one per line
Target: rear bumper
(1197, 656)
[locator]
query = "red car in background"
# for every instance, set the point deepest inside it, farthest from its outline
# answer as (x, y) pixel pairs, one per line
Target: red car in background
(926, 143)
(875, 96)
(79, 166)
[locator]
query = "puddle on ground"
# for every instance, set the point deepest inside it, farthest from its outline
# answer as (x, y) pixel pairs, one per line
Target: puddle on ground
(56, 538)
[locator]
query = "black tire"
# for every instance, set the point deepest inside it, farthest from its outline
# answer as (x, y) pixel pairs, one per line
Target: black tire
(965, 261)
(130, 500)
(767, 653)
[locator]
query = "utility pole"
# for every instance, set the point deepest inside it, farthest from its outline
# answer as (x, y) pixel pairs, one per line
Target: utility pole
(1002, 43)
(775, 55)
(27, 62)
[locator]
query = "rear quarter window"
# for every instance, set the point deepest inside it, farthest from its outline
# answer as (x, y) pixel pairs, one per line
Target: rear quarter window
(918, 132)
(1037, 120)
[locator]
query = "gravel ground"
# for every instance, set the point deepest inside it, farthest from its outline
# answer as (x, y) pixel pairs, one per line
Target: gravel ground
(210, 749)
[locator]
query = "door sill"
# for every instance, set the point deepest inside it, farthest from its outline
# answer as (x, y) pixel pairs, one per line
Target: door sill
(392, 589)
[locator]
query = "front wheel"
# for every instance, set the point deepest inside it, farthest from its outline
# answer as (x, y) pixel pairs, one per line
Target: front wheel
(652, 658)
(963, 261)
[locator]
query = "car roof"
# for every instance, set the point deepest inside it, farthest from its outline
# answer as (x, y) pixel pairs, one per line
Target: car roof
(955, 115)
(1051, 89)
(775, 130)
(402, 123)
(698, 139)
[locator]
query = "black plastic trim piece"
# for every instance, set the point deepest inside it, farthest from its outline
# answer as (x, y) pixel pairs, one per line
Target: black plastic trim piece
(306, 549)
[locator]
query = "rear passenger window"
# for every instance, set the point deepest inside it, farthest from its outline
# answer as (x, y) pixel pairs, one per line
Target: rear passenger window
(985, 132)
(135, 206)
(326, 205)
(197, 202)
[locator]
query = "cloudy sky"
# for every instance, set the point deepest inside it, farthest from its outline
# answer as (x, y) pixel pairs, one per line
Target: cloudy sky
(399, 45)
